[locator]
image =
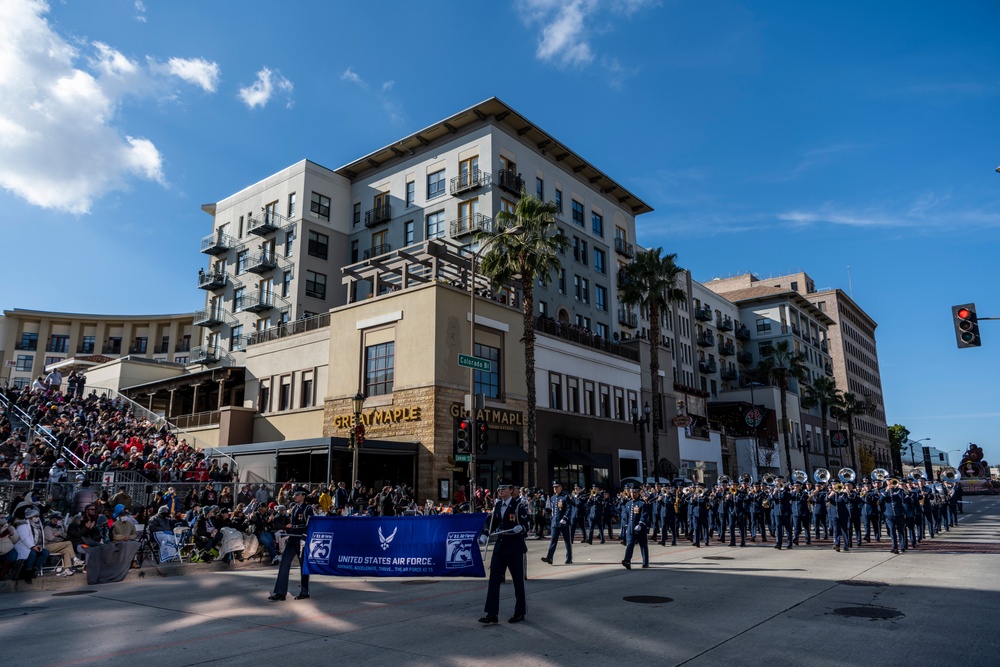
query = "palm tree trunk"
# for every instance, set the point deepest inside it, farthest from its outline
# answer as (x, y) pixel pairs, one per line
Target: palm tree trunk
(826, 441)
(654, 372)
(784, 428)
(850, 433)
(528, 339)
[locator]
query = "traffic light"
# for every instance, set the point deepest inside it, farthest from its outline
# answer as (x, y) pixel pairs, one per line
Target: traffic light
(463, 431)
(483, 435)
(966, 325)
(359, 434)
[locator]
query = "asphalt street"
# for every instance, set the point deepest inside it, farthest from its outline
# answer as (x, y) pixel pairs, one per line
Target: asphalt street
(716, 605)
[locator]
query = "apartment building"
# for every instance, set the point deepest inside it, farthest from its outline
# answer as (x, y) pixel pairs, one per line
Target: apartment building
(32, 341)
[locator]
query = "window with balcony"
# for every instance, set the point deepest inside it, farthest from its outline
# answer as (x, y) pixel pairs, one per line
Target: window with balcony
(435, 184)
(318, 245)
(29, 341)
(242, 259)
(320, 206)
(289, 242)
(88, 345)
(58, 343)
(380, 367)
(239, 298)
(315, 285)
(578, 212)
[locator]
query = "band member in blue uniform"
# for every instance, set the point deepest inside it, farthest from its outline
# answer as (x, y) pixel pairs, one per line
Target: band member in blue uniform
(668, 516)
(561, 515)
(298, 519)
(892, 508)
(636, 518)
(736, 509)
(509, 522)
(800, 513)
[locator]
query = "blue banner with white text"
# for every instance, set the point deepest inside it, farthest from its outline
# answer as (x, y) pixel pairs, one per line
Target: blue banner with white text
(408, 546)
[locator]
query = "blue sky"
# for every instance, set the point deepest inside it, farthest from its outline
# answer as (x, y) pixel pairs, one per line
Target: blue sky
(769, 137)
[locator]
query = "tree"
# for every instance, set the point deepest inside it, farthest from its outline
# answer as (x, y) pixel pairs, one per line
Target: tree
(527, 255)
(846, 408)
(822, 393)
(652, 283)
(899, 435)
(780, 366)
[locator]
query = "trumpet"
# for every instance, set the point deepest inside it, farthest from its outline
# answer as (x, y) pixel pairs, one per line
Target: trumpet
(950, 475)
(821, 475)
(880, 475)
(892, 483)
(734, 489)
(847, 476)
(800, 476)
(838, 487)
(768, 479)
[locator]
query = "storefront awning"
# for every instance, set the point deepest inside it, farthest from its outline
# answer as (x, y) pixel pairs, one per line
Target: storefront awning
(318, 445)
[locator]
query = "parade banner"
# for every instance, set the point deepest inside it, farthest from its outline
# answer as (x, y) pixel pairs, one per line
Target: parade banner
(444, 545)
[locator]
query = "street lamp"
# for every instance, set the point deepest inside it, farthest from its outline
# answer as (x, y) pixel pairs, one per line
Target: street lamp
(639, 423)
(474, 435)
(913, 460)
(358, 402)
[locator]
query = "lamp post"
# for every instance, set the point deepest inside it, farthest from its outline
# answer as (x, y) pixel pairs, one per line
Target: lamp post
(756, 427)
(474, 435)
(913, 460)
(642, 424)
(358, 402)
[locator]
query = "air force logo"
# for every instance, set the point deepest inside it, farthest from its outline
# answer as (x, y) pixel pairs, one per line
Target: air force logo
(320, 547)
(458, 552)
(385, 541)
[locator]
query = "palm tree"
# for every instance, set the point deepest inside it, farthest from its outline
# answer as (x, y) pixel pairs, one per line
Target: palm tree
(821, 393)
(528, 254)
(652, 283)
(780, 365)
(847, 407)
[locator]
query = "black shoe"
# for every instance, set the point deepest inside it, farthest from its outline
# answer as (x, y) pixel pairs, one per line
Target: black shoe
(645, 567)
(673, 544)
(302, 596)
(276, 598)
(602, 541)
(489, 618)
(569, 562)
(777, 546)
(628, 565)
(516, 618)
(546, 559)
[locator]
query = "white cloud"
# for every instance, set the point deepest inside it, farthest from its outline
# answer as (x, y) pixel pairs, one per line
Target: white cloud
(198, 71)
(392, 109)
(353, 77)
(259, 93)
(140, 11)
(60, 147)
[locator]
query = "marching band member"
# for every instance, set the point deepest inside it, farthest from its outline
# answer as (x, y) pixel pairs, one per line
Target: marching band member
(636, 517)
(509, 522)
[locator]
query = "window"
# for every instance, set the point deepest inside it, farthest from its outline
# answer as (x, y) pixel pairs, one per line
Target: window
(315, 285)
(380, 362)
(580, 250)
(58, 343)
(435, 225)
(408, 232)
(411, 192)
(291, 206)
(285, 316)
(241, 261)
(29, 341)
(578, 213)
(239, 298)
(581, 288)
(318, 245)
(488, 383)
(572, 395)
(435, 184)
(263, 396)
(271, 213)
(764, 349)
(601, 297)
(555, 391)
(354, 252)
(559, 200)
(602, 330)
(320, 205)
(795, 286)
(600, 261)
(307, 393)
(285, 394)
(138, 345)
(540, 189)
(286, 283)
(236, 338)
(180, 360)
(543, 308)
(597, 223)
(90, 341)
(562, 281)
(241, 228)
(52, 360)
(357, 214)
(23, 362)
(763, 325)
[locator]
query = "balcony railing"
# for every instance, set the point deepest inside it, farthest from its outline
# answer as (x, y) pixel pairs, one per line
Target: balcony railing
(468, 181)
(289, 329)
(729, 375)
(199, 418)
(262, 262)
(184, 346)
(86, 348)
(582, 336)
(138, 349)
(623, 277)
(258, 302)
(112, 348)
(59, 346)
(704, 314)
(744, 358)
(212, 318)
(238, 343)
(265, 223)
(706, 339)
(211, 280)
(707, 366)
(628, 319)
(162, 348)
(823, 345)
(624, 248)
(828, 369)
(724, 324)
(742, 333)
(217, 244)
(377, 250)
(509, 181)
(726, 349)
(203, 354)
(378, 215)
(468, 224)
(27, 347)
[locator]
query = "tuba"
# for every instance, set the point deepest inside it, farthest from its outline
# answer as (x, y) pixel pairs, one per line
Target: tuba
(847, 476)
(880, 475)
(746, 478)
(821, 475)
(950, 475)
(725, 480)
(768, 479)
(800, 476)
(917, 474)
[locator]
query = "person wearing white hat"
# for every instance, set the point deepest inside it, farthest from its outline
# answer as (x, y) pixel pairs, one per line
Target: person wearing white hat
(31, 547)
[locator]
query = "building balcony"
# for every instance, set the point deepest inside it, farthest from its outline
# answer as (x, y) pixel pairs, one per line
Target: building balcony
(217, 244)
(623, 278)
(582, 336)
(378, 215)
(112, 348)
(238, 343)
(138, 349)
(624, 248)
(289, 329)
(184, 346)
(729, 375)
(204, 354)
(706, 339)
(703, 314)
(467, 182)
(259, 302)
(828, 369)
(509, 181)
(468, 224)
(707, 366)
(266, 222)
(824, 346)
(377, 250)
(742, 333)
(724, 324)
(262, 262)
(628, 319)
(162, 348)
(212, 317)
(60, 347)
(211, 280)
(726, 349)
(27, 347)
(744, 358)
(795, 330)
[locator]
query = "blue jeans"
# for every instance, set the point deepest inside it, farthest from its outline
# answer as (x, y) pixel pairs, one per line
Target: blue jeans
(36, 559)
(267, 539)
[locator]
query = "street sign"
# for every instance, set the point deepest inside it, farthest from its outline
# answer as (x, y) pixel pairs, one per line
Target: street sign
(463, 458)
(469, 361)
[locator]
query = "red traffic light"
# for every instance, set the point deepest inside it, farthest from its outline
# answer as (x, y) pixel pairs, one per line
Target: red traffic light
(964, 313)
(463, 424)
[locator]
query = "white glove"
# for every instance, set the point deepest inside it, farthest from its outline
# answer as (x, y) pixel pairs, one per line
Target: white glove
(518, 529)
(483, 540)
(563, 522)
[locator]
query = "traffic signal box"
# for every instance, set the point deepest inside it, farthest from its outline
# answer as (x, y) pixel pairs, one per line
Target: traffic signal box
(966, 325)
